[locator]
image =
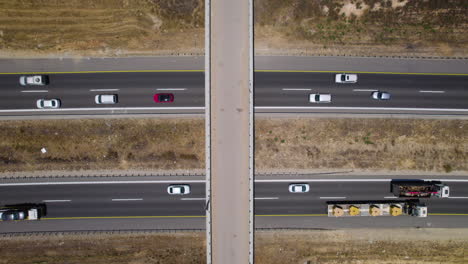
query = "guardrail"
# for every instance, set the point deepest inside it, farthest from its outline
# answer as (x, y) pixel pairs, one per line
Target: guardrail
(110, 174)
(140, 231)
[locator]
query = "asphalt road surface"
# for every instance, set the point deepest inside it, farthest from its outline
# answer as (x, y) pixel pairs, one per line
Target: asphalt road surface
(272, 90)
(106, 200)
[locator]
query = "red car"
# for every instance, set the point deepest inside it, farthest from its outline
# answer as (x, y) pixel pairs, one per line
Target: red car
(164, 98)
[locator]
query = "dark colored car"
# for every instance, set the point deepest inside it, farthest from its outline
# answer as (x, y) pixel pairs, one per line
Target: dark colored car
(13, 215)
(164, 98)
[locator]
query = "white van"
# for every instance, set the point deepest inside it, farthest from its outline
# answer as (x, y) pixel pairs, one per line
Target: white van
(106, 99)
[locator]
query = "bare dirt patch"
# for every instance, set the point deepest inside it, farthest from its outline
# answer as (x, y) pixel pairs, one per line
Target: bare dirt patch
(101, 144)
(281, 144)
(363, 246)
(362, 27)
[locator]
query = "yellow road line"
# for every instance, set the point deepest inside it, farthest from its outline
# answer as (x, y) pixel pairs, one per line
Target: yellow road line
(130, 217)
(132, 71)
(294, 215)
(200, 216)
(279, 71)
(450, 214)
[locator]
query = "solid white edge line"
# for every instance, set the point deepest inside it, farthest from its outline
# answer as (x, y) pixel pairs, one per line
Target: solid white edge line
(35, 91)
(432, 91)
(98, 182)
(128, 199)
(364, 90)
(256, 108)
(451, 197)
(56, 201)
(390, 197)
(203, 181)
(102, 109)
(266, 198)
(103, 90)
(357, 108)
(193, 199)
(327, 180)
(296, 89)
(332, 197)
(171, 89)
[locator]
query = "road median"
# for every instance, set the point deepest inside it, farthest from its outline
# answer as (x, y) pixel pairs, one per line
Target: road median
(149, 146)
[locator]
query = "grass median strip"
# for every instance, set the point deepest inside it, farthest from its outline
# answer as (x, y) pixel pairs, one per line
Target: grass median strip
(285, 144)
(101, 144)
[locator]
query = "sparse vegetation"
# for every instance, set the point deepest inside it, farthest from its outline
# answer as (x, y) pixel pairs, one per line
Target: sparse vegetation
(102, 144)
(177, 248)
(362, 27)
(350, 247)
(387, 144)
(331, 27)
(101, 28)
(367, 246)
(391, 144)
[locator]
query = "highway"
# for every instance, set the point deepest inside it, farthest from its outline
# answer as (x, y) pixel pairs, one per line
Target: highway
(273, 90)
(147, 197)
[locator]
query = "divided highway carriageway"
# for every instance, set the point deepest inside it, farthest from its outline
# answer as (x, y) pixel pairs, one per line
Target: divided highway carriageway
(275, 91)
(106, 198)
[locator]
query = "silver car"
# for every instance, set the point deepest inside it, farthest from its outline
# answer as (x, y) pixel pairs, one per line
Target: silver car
(45, 104)
(381, 95)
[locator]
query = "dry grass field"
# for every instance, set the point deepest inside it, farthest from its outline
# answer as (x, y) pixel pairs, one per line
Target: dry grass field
(100, 27)
(363, 246)
(362, 27)
(284, 144)
(101, 144)
(177, 248)
(164, 27)
(369, 246)
(391, 144)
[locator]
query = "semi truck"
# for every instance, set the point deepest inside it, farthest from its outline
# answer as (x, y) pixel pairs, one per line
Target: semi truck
(420, 189)
(22, 212)
(376, 208)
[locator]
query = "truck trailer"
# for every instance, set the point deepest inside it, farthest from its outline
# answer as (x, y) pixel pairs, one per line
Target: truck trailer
(22, 212)
(376, 208)
(420, 189)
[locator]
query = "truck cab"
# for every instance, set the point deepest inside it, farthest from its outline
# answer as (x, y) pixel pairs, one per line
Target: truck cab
(444, 191)
(420, 211)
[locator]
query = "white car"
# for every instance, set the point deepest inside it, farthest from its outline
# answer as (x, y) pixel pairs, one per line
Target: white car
(34, 80)
(345, 78)
(381, 95)
(106, 99)
(178, 189)
(319, 98)
(52, 103)
(299, 188)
